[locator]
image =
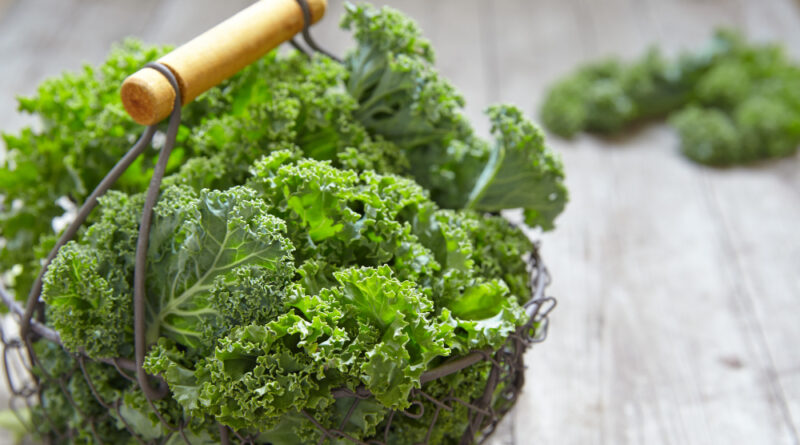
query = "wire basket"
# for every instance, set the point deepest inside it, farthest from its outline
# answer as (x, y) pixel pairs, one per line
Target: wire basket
(30, 382)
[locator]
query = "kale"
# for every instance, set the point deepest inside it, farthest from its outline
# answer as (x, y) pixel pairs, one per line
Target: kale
(731, 102)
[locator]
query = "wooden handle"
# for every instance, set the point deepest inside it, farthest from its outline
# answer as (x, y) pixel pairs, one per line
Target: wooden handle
(214, 56)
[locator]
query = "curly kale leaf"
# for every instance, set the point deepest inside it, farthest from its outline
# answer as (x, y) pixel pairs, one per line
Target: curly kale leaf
(89, 302)
(410, 105)
(480, 306)
(750, 110)
(450, 425)
(410, 337)
(484, 315)
(398, 93)
(499, 252)
(281, 100)
(215, 260)
(73, 412)
(244, 340)
(609, 95)
(724, 85)
(88, 285)
(69, 403)
(370, 329)
(206, 243)
(769, 127)
(522, 172)
(402, 98)
(338, 216)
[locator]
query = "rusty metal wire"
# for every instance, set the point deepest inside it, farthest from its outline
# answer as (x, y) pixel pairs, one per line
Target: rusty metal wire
(33, 386)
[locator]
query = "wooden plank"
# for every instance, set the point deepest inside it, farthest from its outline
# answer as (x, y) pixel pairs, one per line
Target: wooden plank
(178, 21)
(658, 383)
(755, 213)
(644, 318)
(562, 402)
(537, 42)
(4, 5)
(771, 405)
(685, 337)
(684, 24)
(26, 34)
(790, 379)
(751, 206)
(41, 45)
(773, 20)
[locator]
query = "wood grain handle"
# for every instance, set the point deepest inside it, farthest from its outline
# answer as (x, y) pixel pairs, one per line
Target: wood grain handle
(214, 56)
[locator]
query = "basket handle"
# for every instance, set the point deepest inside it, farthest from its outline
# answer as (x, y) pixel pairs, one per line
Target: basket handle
(214, 56)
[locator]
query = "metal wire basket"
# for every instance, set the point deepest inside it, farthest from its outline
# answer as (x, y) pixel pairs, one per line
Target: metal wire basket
(29, 381)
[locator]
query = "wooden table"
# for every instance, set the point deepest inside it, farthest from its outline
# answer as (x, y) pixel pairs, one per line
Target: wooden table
(678, 284)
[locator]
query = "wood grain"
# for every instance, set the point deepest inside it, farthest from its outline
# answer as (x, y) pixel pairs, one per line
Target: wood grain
(659, 344)
(5, 4)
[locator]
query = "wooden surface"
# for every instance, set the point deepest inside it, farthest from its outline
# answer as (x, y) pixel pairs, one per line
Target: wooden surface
(678, 285)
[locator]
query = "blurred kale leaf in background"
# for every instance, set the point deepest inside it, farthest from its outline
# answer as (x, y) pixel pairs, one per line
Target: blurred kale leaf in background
(731, 102)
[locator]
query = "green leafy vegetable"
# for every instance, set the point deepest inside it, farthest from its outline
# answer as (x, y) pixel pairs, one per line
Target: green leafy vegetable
(322, 226)
(202, 247)
(405, 100)
(731, 102)
(521, 172)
